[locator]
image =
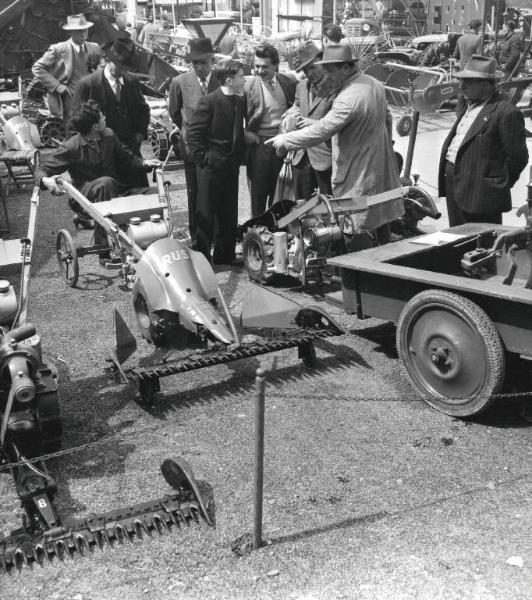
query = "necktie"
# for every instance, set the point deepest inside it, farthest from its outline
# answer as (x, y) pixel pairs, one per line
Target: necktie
(118, 90)
(203, 85)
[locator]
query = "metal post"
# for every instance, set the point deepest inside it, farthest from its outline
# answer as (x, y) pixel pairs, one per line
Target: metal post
(411, 139)
(258, 466)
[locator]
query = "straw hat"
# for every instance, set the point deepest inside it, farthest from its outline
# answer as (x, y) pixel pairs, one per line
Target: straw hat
(77, 23)
(480, 67)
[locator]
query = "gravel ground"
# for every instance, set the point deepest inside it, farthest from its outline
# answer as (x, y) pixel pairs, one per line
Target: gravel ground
(369, 493)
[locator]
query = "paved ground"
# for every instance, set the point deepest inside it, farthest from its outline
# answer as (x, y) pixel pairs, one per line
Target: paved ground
(369, 493)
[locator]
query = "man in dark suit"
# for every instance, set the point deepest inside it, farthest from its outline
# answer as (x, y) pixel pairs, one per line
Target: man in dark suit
(485, 150)
(118, 93)
(313, 100)
(216, 138)
(268, 95)
(185, 91)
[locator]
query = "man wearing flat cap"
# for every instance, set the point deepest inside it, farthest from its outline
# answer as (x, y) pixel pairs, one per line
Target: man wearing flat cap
(185, 92)
(485, 151)
(363, 161)
(64, 64)
(118, 92)
(312, 167)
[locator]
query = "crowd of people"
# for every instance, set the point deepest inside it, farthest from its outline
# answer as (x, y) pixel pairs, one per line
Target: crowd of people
(333, 125)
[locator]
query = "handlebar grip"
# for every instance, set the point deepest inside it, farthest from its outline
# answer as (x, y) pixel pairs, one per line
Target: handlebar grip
(20, 333)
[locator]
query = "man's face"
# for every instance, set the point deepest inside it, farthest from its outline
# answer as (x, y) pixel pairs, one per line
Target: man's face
(236, 83)
(202, 67)
(315, 73)
(476, 90)
(335, 74)
(114, 70)
(79, 36)
(264, 68)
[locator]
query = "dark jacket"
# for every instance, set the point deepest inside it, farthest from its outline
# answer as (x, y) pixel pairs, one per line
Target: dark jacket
(510, 52)
(468, 44)
(126, 118)
(216, 132)
(489, 160)
(255, 98)
(183, 97)
(85, 163)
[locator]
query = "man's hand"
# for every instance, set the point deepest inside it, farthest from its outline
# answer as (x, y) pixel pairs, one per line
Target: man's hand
(278, 142)
(62, 89)
(152, 163)
(304, 122)
(139, 138)
(51, 184)
(251, 139)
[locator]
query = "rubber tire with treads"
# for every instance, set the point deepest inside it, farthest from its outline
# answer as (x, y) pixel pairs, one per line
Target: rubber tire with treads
(67, 257)
(404, 125)
(258, 253)
(159, 142)
(451, 351)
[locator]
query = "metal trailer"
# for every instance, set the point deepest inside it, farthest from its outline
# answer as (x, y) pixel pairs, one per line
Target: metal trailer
(462, 302)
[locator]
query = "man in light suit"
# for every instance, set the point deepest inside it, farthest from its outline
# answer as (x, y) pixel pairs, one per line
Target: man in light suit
(313, 100)
(485, 151)
(268, 95)
(185, 92)
(363, 162)
(118, 93)
(64, 64)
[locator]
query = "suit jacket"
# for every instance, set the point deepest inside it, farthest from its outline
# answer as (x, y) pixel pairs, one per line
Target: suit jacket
(490, 159)
(363, 162)
(255, 98)
(84, 163)
(126, 118)
(319, 156)
(55, 68)
(183, 97)
(216, 132)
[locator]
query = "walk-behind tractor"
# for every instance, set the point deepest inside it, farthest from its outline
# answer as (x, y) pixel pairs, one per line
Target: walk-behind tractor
(175, 292)
(30, 429)
(297, 238)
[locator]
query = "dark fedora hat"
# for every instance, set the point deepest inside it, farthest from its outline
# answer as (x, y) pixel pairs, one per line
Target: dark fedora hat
(306, 54)
(200, 49)
(480, 67)
(337, 53)
(122, 51)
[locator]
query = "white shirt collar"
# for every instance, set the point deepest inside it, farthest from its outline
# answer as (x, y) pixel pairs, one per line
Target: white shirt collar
(110, 78)
(77, 47)
(207, 78)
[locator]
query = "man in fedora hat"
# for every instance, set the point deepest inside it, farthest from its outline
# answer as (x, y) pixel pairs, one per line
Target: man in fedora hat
(64, 64)
(118, 92)
(312, 167)
(185, 91)
(363, 161)
(485, 151)
(268, 95)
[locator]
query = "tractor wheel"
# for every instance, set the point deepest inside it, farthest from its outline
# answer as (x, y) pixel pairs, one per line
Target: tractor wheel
(158, 330)
(404, 125)
(258, 253)
(452, 352)
(53, 131)
(159, 142)
(67, 257)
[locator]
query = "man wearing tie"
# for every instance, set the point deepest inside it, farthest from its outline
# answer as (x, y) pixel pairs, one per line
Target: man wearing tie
(268, 95)
(119, 96)
(185, 92)
(216, 138)
(64, 64)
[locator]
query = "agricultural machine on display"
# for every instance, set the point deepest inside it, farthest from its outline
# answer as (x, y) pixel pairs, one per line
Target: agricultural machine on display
(31, 433)
(175, 293)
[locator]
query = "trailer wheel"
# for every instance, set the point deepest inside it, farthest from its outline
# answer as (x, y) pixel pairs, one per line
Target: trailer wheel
(67, 257)
(404, 125)
(258, 253)
(452, 352)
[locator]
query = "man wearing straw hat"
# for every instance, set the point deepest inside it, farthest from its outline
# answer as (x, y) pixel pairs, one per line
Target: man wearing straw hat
(485, 151)
(363, 161)
(64, 64)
